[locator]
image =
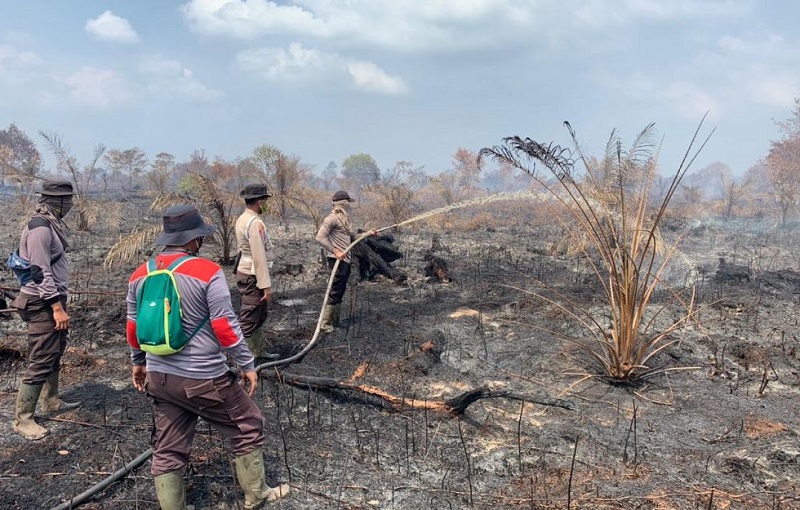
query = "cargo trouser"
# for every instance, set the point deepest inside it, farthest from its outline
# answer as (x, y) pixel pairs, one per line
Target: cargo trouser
(339, 284)
(253, 311)
(179, 401)
(46, 344)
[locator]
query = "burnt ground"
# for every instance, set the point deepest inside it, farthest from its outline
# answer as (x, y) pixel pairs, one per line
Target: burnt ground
(717, 430)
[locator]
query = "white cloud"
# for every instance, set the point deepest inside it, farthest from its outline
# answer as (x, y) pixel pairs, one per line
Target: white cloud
(247, 19)
(297, 63)
(18, 38)
(11, 56)
(689, 100)
(169, 76)
(405, 25)
(368, 76)
(98, 88)
(605, 13)
(777, 90)
(686, 99)
(764, 66)
(294, 63)
(439, 26)
(110, 27)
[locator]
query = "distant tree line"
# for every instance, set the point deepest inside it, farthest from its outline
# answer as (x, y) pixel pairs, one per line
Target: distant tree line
(769, 188)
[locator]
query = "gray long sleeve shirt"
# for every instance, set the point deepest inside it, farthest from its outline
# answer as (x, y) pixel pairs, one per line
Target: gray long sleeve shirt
(39, 246)
(333, 234)
(204, 294)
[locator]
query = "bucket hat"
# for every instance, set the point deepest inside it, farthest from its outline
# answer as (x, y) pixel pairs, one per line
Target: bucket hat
(182, 223)
(252, 191)
(341, 195)
(56, 188)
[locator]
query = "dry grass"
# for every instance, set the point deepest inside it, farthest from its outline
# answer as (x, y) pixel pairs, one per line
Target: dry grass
(131, 245)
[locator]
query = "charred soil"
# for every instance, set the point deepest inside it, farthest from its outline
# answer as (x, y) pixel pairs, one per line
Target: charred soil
(716, 429)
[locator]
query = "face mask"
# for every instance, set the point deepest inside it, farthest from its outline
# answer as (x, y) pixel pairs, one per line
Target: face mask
(66, 207)
(61, 206)
(199, 243)
(262, 206)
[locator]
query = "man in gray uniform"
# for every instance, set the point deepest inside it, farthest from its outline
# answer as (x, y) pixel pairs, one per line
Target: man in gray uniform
(195, 381)
(256, 254)
(335, 235)
(42, 304)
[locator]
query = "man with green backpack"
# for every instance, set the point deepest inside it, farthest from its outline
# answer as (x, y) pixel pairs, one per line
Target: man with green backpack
(181, 329)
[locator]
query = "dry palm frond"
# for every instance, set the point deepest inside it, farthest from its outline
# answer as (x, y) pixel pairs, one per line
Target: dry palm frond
(165, 200)
(131, 245)
(86, 212)
(608, 203)
(112, 215)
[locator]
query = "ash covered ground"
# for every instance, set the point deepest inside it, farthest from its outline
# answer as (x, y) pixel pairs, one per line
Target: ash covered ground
(718, 429)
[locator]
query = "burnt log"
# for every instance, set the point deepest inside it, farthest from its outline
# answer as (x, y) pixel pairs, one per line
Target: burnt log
(731, 273)
(436, 268)
(370, 262)
(455, 406)
(383, 246)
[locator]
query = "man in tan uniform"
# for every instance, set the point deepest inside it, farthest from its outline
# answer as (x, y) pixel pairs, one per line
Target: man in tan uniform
(335, 235)
(252, 273)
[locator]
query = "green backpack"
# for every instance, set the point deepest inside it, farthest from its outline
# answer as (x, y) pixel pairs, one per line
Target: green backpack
(158, 311)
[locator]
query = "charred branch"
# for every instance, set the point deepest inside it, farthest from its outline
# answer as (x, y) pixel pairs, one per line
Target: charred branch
(454, 406)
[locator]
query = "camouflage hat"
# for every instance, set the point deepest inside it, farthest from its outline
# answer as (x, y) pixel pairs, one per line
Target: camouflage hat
(57, 188)
(252, 191)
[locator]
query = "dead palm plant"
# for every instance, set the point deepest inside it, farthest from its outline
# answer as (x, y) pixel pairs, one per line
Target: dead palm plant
(219, 204)
(86, 209)
(607, 200)
(214, 203)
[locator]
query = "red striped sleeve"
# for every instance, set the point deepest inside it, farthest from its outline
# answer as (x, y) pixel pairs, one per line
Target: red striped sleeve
(224, 332)
(130, 333)
(200, 268)
(140, 272)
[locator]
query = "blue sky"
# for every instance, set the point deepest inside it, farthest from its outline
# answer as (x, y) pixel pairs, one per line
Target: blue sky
(408, 80)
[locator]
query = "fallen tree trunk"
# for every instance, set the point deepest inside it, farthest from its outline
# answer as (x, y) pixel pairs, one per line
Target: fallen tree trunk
(371, 263)
(455, 406)
(384, 246)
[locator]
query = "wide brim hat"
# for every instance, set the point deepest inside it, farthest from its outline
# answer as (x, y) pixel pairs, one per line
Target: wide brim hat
(341, 195)
(252, 191)
(56, 189)
(182, 223)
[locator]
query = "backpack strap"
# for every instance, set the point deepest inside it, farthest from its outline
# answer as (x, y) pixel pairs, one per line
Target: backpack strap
(152, 266)
(38, 221)
(177, 262)
(197, 329)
